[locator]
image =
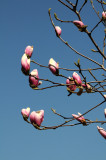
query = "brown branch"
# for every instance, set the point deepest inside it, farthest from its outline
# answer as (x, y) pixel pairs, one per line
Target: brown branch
(74, 9)
(66, 43)
(65, 68)
(83, 5)
(96, 26)
(89, 35)
(98, 82)
(102, 2)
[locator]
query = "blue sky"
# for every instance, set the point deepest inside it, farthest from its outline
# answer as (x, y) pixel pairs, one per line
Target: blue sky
(26, 22)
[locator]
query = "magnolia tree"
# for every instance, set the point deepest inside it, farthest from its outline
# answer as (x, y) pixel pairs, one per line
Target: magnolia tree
(77, 83)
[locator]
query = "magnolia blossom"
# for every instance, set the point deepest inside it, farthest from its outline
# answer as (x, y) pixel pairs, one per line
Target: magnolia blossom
(80, 25)
(105, 112)
(37, 117)
(29, 50)
(104, 15)
(25, 112)
(72, 86)
(58, 30)
(25, 63)
(80, 119)
(102, 131)
(77, 78)
(34, 79)
(53, 66)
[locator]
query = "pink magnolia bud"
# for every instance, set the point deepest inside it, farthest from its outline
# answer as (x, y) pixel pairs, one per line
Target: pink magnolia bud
(104, 15)
(77, 79)
(58, 30)
(80, 25)
(53, 66)
(87, 87)
(72, 86)
(102, 131)
(83, 85)
(25, 112)
(25, 63)
(37, 117)
(105, 112)
(80, 119)
(105, 95)
(29, 50)
(34, 79)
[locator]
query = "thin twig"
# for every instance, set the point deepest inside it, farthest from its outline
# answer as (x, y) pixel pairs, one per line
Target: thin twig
(83, 5)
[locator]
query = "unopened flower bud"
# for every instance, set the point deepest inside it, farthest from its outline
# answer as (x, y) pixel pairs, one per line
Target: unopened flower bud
(80, 25)
(25, 63)
(105, 112)
(34, 78)
(37, 117)
(29, 51)
(58, 30)
(104, 15)
(77, 79)
(54, 67)
(25, 112)
(102, 131)
(105, 95)
(88, 88)
(80, 119)
(71, 84)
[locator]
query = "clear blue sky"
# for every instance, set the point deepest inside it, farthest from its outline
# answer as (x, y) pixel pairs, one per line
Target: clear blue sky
(26, 22)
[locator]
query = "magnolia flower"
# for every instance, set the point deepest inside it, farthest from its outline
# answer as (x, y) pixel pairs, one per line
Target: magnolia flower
(25, 63)
(53, 66)
(72, 86)
(25, 112)
(29, 50)
(58, 30)
(102, 131)
(80, 25)
(80, 119)
(77, 79)
(34, 79)
(105, 112)
(104, 15)
(37, 117)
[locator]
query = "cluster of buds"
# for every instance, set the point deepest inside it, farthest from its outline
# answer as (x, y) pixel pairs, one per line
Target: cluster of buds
(75, 82)
(36, 117)
(71, 84)
(25, 67)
